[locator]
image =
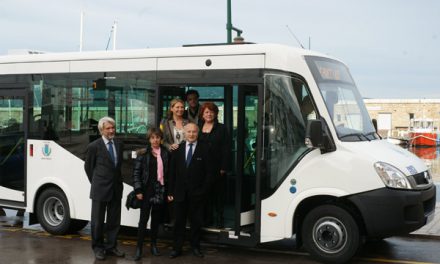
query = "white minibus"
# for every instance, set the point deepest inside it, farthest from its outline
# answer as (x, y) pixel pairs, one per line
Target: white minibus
(306, 160)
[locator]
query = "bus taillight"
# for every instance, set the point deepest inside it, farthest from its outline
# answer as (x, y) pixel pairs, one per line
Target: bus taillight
(31, 150)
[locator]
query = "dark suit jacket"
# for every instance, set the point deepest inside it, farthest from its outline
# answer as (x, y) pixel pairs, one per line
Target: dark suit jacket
(106, 179)
(218, 145)
(194, 180)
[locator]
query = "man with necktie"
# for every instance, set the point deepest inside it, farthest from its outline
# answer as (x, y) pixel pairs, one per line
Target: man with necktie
(190, 179)
(103, 167)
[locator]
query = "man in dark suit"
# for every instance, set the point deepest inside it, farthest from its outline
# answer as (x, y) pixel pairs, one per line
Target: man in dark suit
(190, 179)
(103, 168)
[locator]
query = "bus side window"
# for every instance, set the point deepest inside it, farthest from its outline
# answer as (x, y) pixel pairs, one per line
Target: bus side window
(307, 109)
(287, 105)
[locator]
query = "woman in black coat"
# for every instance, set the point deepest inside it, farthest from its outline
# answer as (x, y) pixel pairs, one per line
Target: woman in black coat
(216, 137)
(150, 175)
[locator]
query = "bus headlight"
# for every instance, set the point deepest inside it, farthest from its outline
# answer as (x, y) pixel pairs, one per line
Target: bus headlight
(391, 176)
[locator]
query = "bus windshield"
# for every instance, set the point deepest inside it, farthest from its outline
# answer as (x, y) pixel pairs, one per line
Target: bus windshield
(343, 101)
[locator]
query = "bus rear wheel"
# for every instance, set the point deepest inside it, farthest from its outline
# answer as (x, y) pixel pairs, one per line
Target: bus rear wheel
(330, 234)
(53, 211)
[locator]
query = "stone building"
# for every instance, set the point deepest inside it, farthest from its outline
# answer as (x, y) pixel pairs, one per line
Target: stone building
(395, 117)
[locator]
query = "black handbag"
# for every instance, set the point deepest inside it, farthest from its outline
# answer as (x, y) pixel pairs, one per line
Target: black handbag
(132, 201)
(159, 194)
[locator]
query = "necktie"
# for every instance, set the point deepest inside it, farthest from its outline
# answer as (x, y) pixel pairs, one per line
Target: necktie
(110, 151)
(189, 155)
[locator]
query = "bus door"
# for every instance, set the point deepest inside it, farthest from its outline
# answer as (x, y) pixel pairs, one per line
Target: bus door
(238, 111)
(13, 127)
(244, 171)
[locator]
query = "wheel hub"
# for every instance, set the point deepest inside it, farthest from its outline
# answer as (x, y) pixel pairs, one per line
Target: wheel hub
(329, 235)
(53, 211)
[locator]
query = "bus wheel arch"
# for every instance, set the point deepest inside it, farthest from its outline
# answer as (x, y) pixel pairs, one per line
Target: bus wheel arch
(300, 213)
(331, 233)
(312, 202)
(53, 211)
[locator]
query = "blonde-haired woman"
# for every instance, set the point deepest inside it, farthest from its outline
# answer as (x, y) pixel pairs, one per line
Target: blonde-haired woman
(173, 135)
(172, 126)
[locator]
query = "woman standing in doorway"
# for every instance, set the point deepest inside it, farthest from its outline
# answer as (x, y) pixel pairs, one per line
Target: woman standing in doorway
(216, 136)
(172, 126)
(173, 135)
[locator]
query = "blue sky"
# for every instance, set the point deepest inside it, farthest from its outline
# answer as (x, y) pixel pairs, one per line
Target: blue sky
(392, 47)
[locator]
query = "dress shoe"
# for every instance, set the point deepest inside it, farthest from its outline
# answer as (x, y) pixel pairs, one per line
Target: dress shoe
(197, 253)
(100, 255)
(175, 254)
(116, 252)
(154, 250)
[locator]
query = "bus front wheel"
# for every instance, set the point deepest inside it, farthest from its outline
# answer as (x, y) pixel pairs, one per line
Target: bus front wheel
(330, 234)
(53, 211)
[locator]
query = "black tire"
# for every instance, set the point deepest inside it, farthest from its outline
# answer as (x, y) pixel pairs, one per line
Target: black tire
(77, 225)
(53, 211)
(330, 234)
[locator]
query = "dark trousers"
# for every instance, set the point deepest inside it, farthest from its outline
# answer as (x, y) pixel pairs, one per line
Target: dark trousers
(156, 220)
(111, 226)
(193, 208)
(216, 202)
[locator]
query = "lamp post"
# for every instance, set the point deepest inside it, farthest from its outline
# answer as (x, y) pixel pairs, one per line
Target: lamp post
(229, 22)
(229, 26)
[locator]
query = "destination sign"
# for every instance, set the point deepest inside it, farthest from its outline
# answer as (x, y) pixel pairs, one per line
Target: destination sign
(329, 73)
(330, 70)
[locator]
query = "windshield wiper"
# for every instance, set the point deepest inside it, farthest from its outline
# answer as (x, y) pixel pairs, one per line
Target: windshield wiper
(371, 133)
(359, 135)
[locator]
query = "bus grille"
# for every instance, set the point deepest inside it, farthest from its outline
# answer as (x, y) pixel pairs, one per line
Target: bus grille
(421, 180)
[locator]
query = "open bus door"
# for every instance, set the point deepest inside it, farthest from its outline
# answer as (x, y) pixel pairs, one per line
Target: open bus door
(244, 209)
(238, 110)
(13, 127)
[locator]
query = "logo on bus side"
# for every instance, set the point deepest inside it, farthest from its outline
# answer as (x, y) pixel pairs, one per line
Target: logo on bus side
(46, 150)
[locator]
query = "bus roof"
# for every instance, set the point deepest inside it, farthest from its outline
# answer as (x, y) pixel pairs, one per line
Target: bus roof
(274, 56)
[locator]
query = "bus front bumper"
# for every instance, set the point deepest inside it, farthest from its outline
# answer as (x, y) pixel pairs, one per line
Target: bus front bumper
(388, 212)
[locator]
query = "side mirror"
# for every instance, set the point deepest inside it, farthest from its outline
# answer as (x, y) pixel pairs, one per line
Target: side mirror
(374, 121)
(314, 134)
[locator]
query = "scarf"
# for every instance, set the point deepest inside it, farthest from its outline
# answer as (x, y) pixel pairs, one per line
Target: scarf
(159, 165)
